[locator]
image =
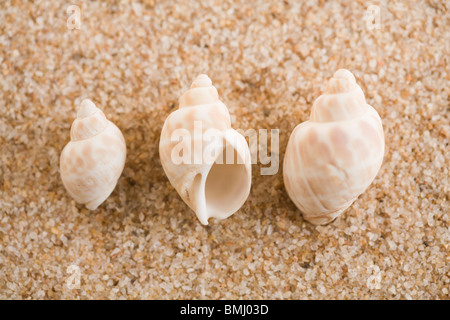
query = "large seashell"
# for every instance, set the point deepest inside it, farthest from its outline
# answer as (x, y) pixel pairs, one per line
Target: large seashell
(91, 163)
(211, 186)
(332, 158)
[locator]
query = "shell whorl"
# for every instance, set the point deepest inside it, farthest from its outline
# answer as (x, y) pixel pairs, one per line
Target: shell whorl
(341, 82)
(201, 92)
(343, 99)
(90, 121)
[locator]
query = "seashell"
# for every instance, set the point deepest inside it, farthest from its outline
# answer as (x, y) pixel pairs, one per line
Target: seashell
(332, 158)
(213, 186)
(93, 160)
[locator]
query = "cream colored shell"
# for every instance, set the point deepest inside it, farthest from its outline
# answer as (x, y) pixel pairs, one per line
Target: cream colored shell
(332, 158)
(93, 160)
(209, 188)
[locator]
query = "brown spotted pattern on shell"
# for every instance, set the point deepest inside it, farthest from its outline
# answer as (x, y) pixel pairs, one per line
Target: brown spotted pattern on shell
(332, 158)
(92, 162)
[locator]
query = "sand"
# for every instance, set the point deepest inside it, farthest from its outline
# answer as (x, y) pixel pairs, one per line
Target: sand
(269, 61)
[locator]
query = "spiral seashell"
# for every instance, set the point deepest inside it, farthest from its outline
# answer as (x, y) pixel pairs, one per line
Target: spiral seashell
(206, 161)
(332, 158)
(93, 160)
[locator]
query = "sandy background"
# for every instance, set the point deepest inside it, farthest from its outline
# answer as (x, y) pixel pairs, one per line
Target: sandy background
(269, 61)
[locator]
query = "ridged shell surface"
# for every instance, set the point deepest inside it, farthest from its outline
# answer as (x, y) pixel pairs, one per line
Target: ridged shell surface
(332, 158)
(92, 162)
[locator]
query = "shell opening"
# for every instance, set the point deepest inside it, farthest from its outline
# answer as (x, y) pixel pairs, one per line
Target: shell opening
(222, 190)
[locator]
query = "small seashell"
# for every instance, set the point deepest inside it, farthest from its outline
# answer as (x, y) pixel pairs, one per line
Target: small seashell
(93, 160)
(332, 158)
(212, 186)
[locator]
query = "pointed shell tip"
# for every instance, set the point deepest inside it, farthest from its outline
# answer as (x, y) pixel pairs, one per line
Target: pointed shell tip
(344, 74)
(202, 81)
(341, 82)
(86, 109)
